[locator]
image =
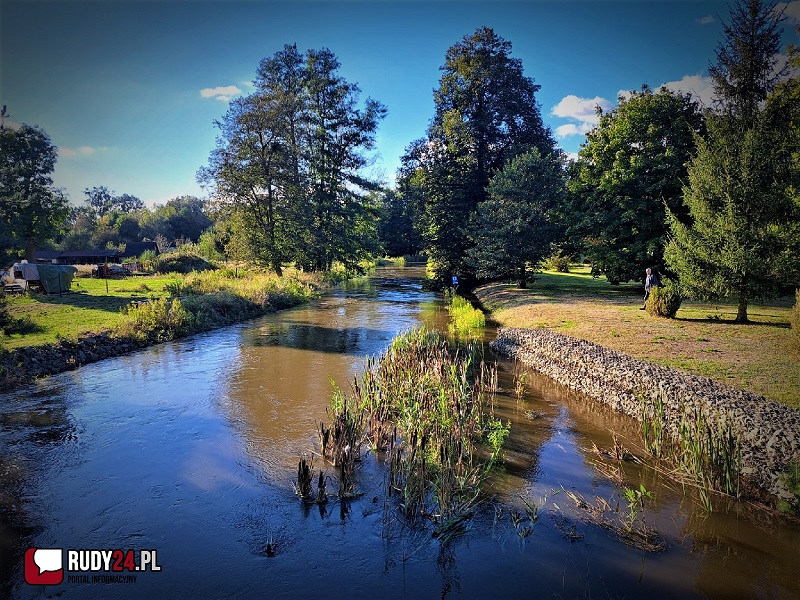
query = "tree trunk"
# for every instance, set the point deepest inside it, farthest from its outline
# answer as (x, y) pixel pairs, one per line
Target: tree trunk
(741, 313)
(30, 252)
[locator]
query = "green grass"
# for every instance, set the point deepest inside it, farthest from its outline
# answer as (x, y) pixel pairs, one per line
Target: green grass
(212, 298)
(702, 338)
(464, 319)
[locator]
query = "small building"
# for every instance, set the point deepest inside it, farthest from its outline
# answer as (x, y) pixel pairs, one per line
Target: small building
(77, 257)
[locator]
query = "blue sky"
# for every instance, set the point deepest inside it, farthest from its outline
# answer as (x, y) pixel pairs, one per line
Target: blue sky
(128, 91)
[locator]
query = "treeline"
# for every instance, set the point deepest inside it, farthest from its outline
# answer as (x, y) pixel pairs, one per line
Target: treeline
(705, 195)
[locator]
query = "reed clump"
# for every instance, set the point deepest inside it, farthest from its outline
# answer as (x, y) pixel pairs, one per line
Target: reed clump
(427, 407)
(464, 319)
(701, 447)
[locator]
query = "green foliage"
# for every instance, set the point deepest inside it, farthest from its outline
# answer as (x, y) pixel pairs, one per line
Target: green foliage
(158, 320)
(486, 113)
(428, 406)
(741, 240)
(627, 172)
(791, 479)
(664, 300)
(558, 262)
(182, 260)
(464, 319)
(149, 260)
(32, 209)
(514, 229)
(398, 228)
(287, 165)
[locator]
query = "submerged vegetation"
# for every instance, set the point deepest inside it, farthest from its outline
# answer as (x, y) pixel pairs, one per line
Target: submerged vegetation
(426, 407)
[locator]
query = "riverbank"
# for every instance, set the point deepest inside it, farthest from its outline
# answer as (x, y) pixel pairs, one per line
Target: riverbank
(183, 306)
(702, 340)
(769, 432)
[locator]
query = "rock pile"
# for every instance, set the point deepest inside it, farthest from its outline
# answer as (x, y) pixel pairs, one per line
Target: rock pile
(769, 431)
(24, 365)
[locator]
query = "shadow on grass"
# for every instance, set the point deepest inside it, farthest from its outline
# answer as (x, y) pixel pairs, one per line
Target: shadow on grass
(82, 300)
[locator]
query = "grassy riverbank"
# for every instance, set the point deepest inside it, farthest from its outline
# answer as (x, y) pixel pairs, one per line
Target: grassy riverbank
(124, 306)
(702, 339)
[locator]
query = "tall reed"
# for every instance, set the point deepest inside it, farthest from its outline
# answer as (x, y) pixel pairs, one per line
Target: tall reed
(464, 319)
(700, 445)
(427, 407)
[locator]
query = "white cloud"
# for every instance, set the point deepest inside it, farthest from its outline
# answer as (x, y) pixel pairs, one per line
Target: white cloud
(707, 20)
(76, 152)
(699, 86)
(572, 156)
(221, 93)
(791, 10)
(580, 110)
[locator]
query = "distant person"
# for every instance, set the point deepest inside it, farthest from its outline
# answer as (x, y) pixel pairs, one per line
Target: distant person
(650, 281)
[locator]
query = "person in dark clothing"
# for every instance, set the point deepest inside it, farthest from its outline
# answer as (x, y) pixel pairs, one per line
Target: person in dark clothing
(650, 281)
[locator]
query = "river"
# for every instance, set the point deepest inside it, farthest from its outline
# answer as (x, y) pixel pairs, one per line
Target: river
(190, 449)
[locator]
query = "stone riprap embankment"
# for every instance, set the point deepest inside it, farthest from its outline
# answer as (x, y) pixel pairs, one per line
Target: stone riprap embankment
(769, 431)
(23, 365)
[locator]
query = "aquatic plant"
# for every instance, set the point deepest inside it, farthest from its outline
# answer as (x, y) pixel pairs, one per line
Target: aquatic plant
(464, 319)
(428, 406)
(702, 448)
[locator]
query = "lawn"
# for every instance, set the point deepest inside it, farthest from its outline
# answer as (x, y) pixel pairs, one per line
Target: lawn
(702, 339)
(88, 307)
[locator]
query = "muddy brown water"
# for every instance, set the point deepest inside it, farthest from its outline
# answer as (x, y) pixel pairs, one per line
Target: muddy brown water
(190, 449)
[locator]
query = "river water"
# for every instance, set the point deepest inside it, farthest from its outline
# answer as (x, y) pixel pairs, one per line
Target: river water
(190, 449)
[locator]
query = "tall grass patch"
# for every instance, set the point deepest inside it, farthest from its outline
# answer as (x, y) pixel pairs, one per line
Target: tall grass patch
(794, 322)
(428, 408)
(464, 319)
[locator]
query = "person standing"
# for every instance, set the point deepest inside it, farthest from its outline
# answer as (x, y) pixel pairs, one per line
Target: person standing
(650, 281)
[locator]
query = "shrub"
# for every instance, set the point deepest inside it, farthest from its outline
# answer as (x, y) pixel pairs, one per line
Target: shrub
(664, 300)
(558, 262)
(464, 319)
(182, 262)
(158, 320)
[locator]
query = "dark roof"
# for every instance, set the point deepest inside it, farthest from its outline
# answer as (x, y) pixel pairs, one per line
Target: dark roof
(47, 254)
(88, 253)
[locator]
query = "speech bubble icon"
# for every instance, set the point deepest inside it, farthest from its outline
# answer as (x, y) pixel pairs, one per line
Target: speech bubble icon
(48, 559)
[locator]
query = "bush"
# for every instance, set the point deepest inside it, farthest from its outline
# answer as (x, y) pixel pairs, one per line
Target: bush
(158, 320)
(664, 300)
(182, 262)
(557, 262)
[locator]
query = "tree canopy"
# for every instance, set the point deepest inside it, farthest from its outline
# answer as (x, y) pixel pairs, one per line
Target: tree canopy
(740, 238)
(486, 113)
(32, 210)
(631, 168)
(288, 161)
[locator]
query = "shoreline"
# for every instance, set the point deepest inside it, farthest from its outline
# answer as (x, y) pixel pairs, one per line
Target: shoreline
(769, 432)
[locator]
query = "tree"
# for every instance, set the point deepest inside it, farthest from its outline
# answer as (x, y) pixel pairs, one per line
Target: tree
(31, 209)
(630, 169)
(103, 201)
(514, 229)
(486, 112)
(286, 167)
(398, 230)
(740, 240)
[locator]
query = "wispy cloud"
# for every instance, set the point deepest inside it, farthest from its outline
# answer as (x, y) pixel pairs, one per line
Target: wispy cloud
(707, 20)
(790, 9)
(223, 94)
(77, 152)
(579, 110)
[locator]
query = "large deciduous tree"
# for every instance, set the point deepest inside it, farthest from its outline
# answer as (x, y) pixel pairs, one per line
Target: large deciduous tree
(514, 229)
(486, 112)
(287, 165)
(740, 239)
(632, 167)
(31, 209)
